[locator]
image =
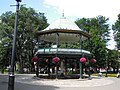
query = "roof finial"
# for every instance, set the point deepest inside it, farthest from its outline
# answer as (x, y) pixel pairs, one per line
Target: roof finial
(63, 13)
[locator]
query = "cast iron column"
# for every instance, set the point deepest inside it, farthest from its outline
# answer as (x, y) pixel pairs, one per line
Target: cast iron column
(57, 40)
(89, 73)
(80, 64)
(11, 72)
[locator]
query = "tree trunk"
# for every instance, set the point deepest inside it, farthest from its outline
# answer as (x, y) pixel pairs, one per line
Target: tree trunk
(21, 64)
(113, 69)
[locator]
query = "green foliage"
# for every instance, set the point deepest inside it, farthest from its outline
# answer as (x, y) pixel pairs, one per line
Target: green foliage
(116, 32)
(5, 40)
(29, 21)
(99, 30)
(113, 58)
(116, 29)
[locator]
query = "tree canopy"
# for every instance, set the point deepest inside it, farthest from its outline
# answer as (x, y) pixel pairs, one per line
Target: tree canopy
(99, 30)
(116, 29)
(29, 21)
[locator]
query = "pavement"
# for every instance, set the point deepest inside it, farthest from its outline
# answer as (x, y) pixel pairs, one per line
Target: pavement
(95, 81)
(30, 82)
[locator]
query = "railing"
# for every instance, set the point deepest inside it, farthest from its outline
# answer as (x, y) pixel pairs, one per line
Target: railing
(61, 51)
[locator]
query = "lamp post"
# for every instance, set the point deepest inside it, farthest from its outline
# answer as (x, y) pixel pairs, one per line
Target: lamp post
(11, 72)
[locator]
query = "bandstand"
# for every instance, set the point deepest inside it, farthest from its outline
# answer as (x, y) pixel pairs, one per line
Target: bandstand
(62, 31)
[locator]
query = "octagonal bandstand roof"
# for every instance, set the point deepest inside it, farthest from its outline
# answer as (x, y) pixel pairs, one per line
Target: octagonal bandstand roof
(67, 31)
(64, 24)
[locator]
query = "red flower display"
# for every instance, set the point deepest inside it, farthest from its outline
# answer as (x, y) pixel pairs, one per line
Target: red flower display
(34, 59)
(82, 60)
(56, 59)
(93, 60)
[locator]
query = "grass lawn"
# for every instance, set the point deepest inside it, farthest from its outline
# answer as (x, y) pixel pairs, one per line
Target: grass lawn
(109, 74)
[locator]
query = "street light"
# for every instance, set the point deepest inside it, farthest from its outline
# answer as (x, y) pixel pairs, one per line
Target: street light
(11, 72)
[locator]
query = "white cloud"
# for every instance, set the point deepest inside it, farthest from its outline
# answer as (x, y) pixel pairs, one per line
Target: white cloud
(86, 8)
(111, 44)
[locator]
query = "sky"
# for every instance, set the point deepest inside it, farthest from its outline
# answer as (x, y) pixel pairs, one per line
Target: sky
(73, 9)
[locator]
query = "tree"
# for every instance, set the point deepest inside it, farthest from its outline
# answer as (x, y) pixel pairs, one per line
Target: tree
(29, 21)
(113, 59)
(99, 30)
(116, 30)
(5, 40)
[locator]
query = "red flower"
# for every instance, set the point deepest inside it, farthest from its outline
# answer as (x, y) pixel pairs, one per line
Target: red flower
(93, 60)
(82, 60)
(56, 59)
(34, 59)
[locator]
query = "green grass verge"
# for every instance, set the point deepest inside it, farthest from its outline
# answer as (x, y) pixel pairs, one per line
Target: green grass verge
(109, 75)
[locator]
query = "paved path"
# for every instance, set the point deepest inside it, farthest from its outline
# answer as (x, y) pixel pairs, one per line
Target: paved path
(96, 81)
(28, 82)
